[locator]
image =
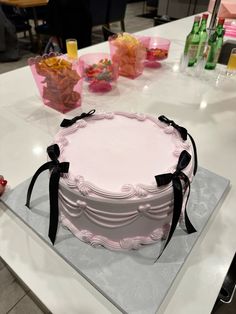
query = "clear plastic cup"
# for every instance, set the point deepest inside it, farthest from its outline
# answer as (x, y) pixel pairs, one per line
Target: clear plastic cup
(72, 48)
(58, 81)
(157, 50)
(129, 53)
(231, 66)
(99, 71)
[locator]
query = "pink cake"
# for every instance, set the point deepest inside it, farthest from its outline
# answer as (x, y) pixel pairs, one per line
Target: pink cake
(110, 196)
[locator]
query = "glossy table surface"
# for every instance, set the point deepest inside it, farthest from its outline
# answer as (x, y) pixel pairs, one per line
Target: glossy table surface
(203, 102)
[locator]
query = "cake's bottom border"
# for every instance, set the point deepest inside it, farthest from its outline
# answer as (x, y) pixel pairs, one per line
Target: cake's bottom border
(125, 244)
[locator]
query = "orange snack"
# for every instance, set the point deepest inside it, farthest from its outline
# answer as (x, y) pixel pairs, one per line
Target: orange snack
(130, 53)
(59, 81)
(156, 54)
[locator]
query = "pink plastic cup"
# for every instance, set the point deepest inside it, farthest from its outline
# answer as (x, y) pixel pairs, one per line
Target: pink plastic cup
(129, 56)
(99, 71)
(157, 49)
(230, 28)
(58, 81)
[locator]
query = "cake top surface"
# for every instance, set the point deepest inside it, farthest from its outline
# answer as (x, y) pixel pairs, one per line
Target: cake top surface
(117, 155)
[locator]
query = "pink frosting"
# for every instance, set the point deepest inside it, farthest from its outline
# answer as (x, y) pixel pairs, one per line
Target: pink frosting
(110, 197)
(119, 158)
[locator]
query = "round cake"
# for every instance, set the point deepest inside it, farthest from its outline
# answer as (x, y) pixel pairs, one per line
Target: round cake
(110, 196)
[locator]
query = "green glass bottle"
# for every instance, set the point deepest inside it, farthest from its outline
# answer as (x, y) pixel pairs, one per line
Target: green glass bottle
(215, 43)
(203, 36)
(192, 42)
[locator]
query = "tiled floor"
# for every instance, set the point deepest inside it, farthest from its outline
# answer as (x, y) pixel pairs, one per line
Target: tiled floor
(15, 297)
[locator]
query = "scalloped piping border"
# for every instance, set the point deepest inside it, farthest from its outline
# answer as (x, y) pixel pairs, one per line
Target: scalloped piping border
(128, 191)
(125, 244)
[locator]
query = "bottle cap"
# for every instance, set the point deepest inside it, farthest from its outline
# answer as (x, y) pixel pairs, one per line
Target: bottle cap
(205, 16)
(221, 21)
(197, 18)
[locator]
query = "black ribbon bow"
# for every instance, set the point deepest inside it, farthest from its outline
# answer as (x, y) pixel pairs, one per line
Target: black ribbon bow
(176, 178)
(69, 122)
(183, 133)
(56, 169)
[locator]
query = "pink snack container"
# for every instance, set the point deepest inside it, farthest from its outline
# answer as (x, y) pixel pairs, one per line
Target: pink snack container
(157, 49)
(58, 81)
(99, 71)
(230, 28)
(129, 53)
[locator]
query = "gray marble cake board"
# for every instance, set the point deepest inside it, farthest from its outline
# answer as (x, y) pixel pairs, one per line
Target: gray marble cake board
(130, 280)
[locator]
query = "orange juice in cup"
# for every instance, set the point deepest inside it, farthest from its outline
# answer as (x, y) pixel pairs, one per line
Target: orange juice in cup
(72, 48)
(231, 66)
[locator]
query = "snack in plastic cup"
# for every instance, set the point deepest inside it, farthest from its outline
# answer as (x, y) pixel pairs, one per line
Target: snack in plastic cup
(99, 71)
(129, 52)
(157, 50)
(58, 81)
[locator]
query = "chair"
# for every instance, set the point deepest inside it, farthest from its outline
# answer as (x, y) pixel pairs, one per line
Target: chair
(159, 20)
(41, 13)
(42, 30)
(98, 11)
(70, 19)
(153, 4)
(107, 32)
(116, 12)
(104, 12)
(19, 19)
(9, 48)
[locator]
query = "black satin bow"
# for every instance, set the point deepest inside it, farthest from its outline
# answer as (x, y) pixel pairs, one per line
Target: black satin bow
(176, 178)
(69, 122)
(56, 169)
(183, 133)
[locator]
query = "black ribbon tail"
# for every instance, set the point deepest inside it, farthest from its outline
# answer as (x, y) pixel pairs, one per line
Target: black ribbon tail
(176, 177)
(33, 180)
(178, 200)
(195, 154)
(53, 198)
(56, 169)
(189, 227)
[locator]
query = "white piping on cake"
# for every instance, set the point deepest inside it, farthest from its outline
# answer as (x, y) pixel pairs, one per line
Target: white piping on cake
(127, 190)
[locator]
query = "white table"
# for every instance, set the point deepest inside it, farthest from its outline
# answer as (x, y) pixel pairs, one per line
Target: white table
(206, 110)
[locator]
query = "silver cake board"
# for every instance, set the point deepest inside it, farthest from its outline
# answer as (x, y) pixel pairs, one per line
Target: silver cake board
(130, 280)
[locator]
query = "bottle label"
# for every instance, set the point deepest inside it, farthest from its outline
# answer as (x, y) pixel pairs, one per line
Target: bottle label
(212, 55)
(192, 51)
(207, 51)
(201, 49)
(217, 55)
